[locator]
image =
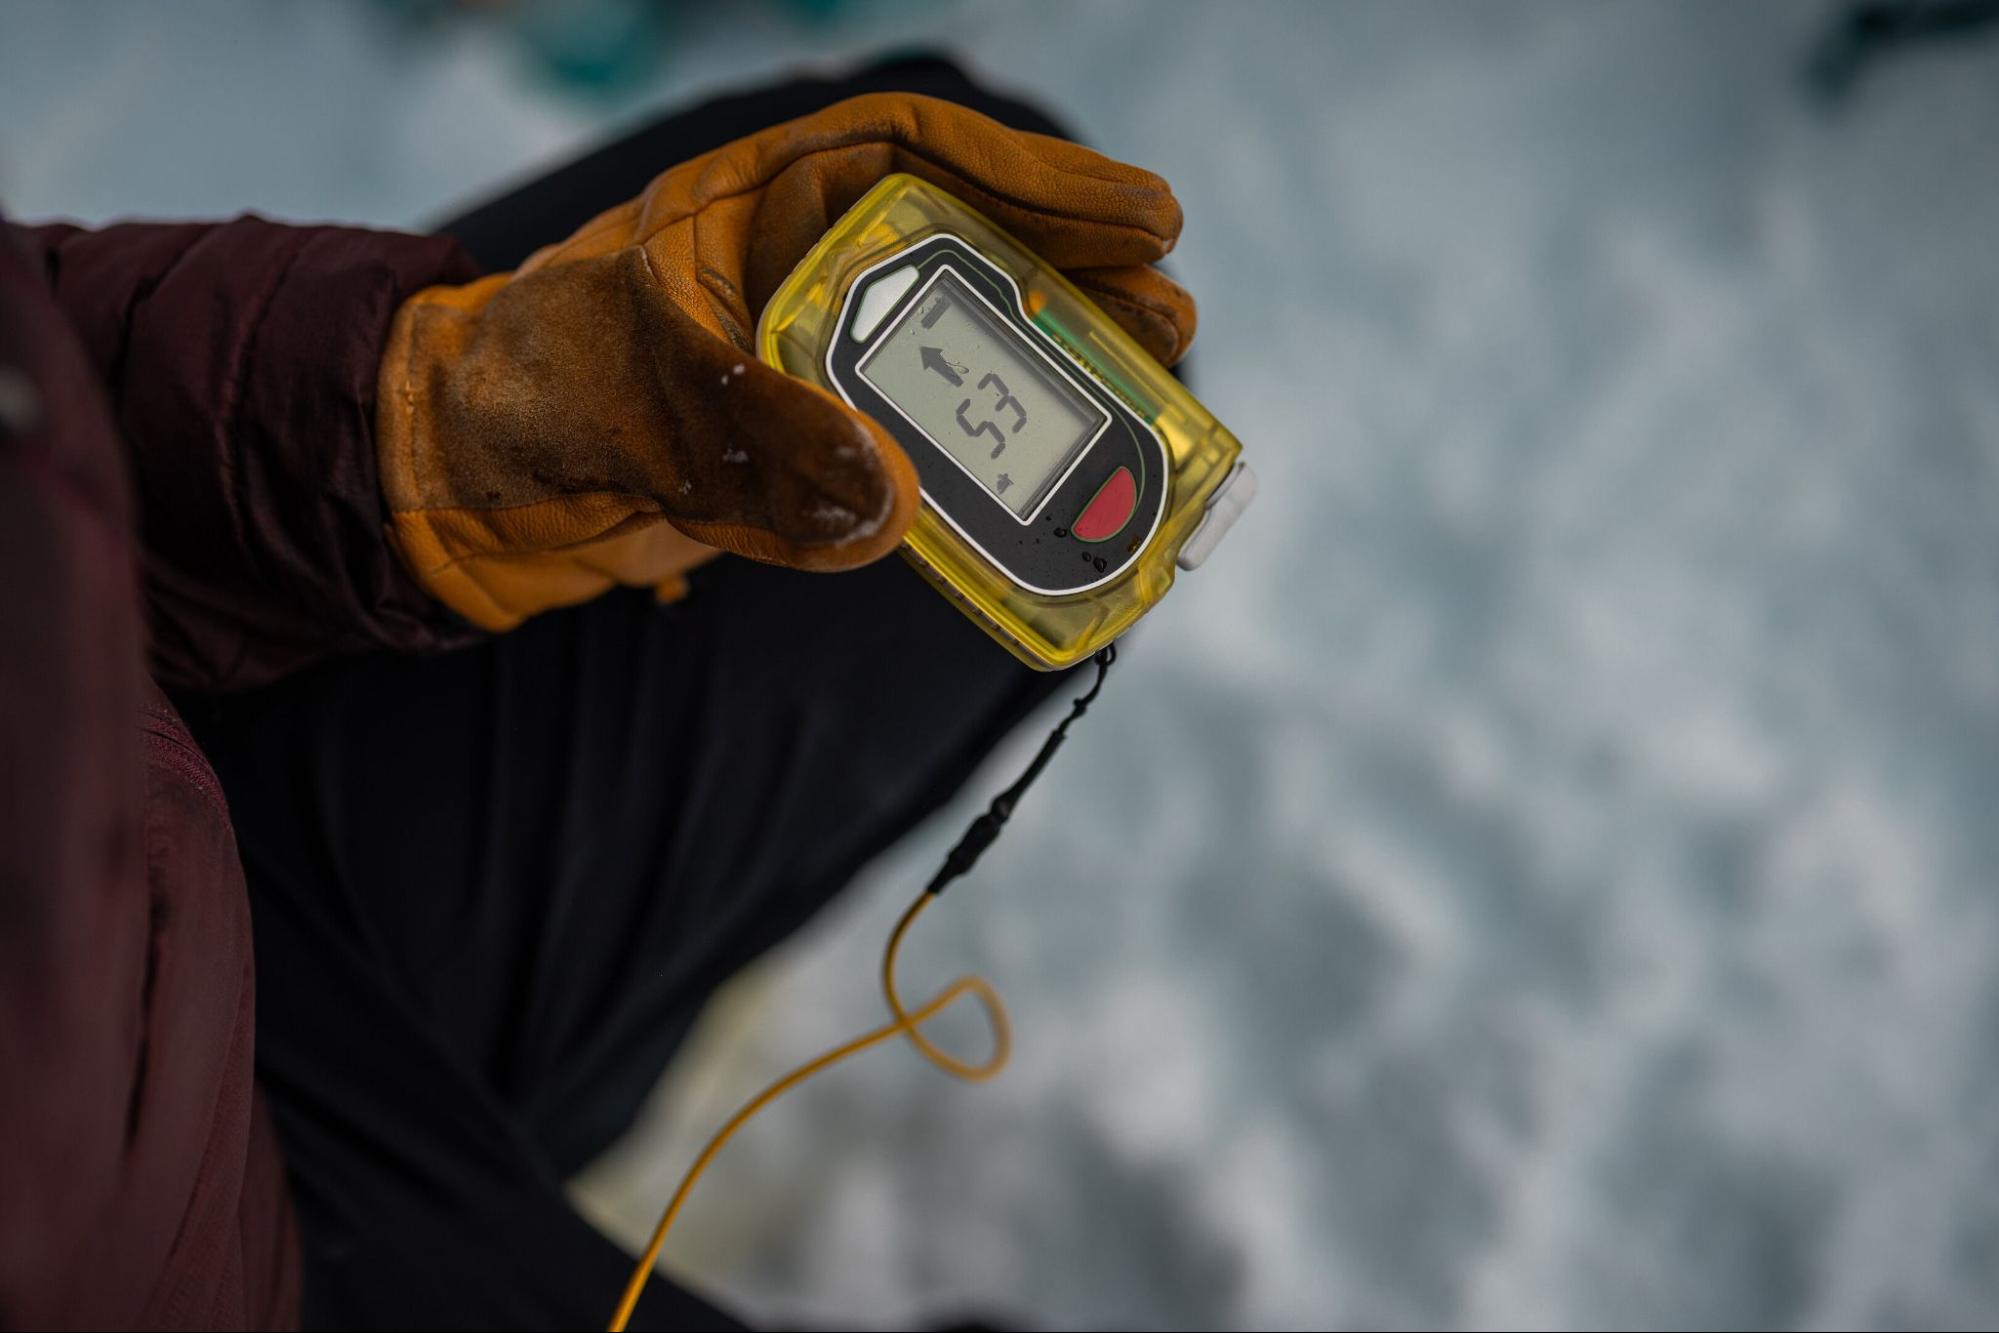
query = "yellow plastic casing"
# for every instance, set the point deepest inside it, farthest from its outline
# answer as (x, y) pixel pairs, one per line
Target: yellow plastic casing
(1046, 632)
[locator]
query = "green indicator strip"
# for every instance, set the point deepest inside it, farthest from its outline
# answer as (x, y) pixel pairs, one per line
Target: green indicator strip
(1054, 328)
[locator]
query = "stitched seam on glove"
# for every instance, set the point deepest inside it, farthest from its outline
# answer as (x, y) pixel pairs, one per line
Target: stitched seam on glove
(620, 528)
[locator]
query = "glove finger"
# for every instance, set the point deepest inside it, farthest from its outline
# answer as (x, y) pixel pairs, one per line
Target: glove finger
(1151, 307)
(1073, 207)
(778, 470)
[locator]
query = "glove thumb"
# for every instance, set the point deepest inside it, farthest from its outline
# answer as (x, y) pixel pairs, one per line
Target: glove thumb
(781, 471)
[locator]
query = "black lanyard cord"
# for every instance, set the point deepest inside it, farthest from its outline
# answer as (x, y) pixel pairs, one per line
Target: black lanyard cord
(986, 828)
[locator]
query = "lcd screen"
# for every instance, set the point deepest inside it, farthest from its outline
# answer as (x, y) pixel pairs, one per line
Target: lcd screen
(970, 383)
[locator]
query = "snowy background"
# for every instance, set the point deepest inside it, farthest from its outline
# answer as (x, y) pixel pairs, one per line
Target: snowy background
(1544, 870)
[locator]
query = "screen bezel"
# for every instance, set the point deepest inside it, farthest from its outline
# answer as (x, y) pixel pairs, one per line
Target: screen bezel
(1030, 557)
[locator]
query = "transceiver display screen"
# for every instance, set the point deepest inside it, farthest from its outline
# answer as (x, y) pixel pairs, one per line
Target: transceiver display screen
(970, 383)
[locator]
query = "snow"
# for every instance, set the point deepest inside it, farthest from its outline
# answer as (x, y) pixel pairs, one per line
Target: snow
(1541, 871)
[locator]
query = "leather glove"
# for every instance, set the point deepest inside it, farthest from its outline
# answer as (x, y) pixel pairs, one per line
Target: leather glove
(547, 433)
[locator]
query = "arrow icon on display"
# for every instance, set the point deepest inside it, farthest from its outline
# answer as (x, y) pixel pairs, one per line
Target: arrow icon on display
(934, 359)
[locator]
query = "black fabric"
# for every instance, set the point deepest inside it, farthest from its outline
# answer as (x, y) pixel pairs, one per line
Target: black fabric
(492, 889)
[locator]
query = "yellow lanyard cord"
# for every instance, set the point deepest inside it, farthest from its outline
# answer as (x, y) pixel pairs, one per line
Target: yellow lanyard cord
(907, 1023)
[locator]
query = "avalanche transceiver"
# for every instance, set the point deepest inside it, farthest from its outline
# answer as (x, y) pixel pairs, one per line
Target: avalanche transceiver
(1065, 472)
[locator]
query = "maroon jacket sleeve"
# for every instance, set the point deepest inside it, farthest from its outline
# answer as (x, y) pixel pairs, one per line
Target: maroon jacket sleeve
(140, 1185)
(240, 361)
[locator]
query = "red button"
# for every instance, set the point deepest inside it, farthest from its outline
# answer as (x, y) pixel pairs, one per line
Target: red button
(1104, 517)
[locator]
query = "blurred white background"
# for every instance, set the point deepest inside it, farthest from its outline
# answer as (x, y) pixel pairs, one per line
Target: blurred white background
(1543, 871)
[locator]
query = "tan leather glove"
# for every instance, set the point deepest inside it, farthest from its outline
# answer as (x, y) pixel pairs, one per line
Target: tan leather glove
(548, 433)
